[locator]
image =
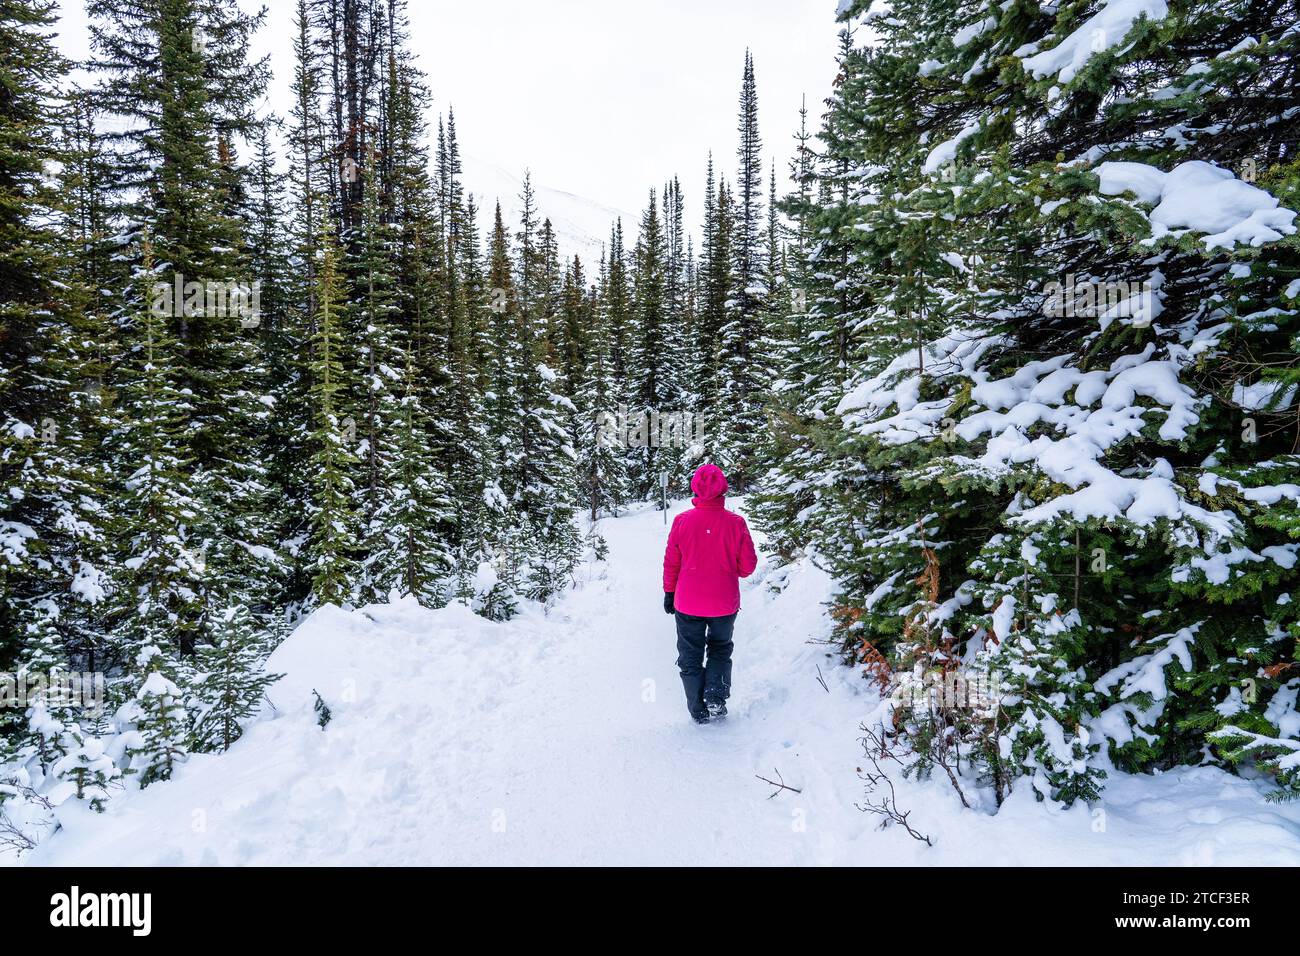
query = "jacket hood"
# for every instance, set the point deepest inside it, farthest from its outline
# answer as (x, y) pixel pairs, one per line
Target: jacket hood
(709, 482)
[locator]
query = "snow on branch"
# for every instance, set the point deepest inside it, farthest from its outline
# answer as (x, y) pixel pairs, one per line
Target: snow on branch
(1200, 197)
(1105, 29)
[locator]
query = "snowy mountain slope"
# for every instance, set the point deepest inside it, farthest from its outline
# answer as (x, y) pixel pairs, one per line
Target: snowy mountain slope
(563, 739)
(581, 225)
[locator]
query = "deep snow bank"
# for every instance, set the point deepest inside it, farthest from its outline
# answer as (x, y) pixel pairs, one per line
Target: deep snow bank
(290, 792)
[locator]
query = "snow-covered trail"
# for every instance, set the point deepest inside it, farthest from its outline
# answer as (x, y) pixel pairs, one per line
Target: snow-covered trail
(563, 738)
(622, 775)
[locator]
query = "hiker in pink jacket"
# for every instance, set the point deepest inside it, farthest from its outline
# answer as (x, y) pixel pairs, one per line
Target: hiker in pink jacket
(709, 551)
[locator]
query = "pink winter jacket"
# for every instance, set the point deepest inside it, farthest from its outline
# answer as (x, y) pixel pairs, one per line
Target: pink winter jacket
(709, 551)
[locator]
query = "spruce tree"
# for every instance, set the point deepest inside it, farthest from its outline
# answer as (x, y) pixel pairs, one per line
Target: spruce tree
(601, 465)
(414, 527)
(745, 368)
(618, 298)
(832, 288)
(182, 92)
(543, 454)
(714, 311)
(160, 602)
(54, 569)
(229, 682)
(331, 548)
(156, 721)
(654, 389)
(379, 364)
(468, 457)
(1032, 472)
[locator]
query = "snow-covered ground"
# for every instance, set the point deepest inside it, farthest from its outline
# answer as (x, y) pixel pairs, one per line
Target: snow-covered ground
(562, 738)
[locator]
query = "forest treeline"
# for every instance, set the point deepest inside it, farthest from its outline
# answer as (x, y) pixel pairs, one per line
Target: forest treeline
(1012, 359)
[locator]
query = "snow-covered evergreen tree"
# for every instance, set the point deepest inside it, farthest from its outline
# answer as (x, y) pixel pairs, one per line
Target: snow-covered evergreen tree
(156, 721)
(229, 681)
(1039, 470)
(654, 389)
(331, 547)
(601, 464)
(745, 370)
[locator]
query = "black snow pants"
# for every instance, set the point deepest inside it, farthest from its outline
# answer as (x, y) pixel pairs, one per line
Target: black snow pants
(704, 683)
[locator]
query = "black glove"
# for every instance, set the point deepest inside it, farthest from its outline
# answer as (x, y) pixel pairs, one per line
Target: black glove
(668, 602)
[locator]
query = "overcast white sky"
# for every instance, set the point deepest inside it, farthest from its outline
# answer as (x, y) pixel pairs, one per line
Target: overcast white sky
(602, 98)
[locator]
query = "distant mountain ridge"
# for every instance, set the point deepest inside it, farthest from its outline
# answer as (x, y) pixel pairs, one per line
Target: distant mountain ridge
(581, 225)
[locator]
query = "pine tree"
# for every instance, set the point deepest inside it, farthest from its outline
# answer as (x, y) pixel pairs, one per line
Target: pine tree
(654, 390)
(413, 528)
(832, 292)
(54, 572)
(295, 420)
(618, 298)
(160, 601)
(480, 468)
(504, 367)
(568, 341)
(229, 682)
(352, 38)
(156, 720)
(745, 368)
(551, 299)
(542, 454)
(269, 245)
(749, 204)
(678, 429)
(178, 81)
(601, 468)
(469, 460)
(379, 357)
(331, 548)
(273, 375)
(733, 422)
(1025, 471)
(714, 312)
(85, 771)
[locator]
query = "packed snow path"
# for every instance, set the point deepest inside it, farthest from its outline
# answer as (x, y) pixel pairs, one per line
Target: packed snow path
(562, 738)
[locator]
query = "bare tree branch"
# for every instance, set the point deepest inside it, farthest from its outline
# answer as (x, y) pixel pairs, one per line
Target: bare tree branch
(879, 785)
(779, 783)
(12, 836)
